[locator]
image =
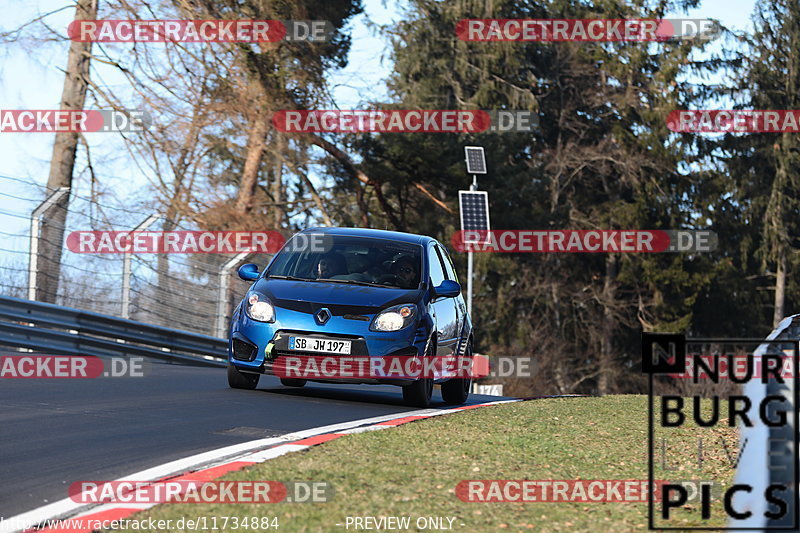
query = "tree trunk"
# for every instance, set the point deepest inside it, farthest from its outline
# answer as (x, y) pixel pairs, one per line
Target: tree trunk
(252, 164)
(317, 199)
(164, 298)
(606, 363)
(780, 291)
(276, 187)
(62, 163)
(362, 206)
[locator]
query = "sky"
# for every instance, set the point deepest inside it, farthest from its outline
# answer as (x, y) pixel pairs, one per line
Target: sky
(32, 78)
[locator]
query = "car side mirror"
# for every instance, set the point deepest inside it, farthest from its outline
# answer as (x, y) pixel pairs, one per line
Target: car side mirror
(448, 289)
(248, 272)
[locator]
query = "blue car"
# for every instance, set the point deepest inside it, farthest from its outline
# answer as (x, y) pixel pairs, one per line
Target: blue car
(339, 292)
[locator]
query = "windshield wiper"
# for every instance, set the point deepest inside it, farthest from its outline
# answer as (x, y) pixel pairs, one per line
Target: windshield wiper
(356, 282)
(290, 278)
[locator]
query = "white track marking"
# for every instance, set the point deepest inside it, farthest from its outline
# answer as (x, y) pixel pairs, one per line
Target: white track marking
(68, 508)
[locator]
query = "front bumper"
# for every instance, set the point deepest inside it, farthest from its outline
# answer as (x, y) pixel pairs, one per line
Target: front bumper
(256, 346)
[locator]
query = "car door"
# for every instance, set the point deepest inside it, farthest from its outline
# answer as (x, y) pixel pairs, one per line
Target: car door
(444, 309)
(460, 305)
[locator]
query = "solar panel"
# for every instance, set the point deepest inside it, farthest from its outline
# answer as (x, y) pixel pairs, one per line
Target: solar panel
(474, 206)
(476, 162)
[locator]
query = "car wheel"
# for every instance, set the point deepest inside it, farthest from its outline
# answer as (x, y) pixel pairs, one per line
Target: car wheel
(240, 380)
(293, 382)
(418, 394)
(456, 391)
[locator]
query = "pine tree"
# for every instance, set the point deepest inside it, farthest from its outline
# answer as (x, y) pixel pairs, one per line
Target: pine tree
(774, 75)
(602, 159)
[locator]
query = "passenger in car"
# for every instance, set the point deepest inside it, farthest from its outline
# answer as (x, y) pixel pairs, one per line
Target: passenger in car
(329, 265)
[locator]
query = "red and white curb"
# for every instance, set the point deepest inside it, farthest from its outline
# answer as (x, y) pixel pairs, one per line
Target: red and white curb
(214, 464)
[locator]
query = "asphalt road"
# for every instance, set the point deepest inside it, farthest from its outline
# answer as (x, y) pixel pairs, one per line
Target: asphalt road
(54, 432)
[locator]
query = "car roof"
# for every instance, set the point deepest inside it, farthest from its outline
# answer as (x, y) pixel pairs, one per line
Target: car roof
(373, 233)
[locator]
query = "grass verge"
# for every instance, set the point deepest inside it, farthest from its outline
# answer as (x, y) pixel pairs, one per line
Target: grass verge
(412, 470)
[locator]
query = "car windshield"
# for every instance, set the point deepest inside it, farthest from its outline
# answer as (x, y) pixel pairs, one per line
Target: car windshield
(348, 259)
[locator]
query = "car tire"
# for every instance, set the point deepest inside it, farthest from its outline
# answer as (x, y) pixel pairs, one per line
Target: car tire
(456, 391)
(419, 393)
(293, 382)
(241, 380)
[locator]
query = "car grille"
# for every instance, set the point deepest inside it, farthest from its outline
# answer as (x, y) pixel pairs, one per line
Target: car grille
(336, 310)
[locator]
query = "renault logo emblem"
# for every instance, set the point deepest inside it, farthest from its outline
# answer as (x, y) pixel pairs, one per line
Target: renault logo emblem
(323, 315)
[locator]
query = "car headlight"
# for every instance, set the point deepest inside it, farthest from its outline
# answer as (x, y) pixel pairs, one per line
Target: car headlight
(394, 318)
(259, 308)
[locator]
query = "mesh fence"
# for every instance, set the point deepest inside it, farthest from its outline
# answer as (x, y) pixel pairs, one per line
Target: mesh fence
(181, 291)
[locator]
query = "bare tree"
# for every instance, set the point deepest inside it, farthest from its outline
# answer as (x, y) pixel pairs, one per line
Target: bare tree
(62, 163)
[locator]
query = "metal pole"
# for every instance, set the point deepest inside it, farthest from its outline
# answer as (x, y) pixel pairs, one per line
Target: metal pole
(472, 187)
(126, 268)
(36, 219)
(469, 283)
(222, 298)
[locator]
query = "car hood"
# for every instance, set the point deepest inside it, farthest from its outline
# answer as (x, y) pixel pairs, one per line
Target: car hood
(340, 298)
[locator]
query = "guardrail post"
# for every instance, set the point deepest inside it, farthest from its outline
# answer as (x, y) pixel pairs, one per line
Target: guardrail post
(222, 298)
(36, 221)
(126, 268)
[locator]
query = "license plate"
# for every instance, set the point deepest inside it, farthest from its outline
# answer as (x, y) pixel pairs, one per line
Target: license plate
(314, 344)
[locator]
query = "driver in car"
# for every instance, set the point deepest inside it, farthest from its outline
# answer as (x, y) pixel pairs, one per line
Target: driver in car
(404, 268)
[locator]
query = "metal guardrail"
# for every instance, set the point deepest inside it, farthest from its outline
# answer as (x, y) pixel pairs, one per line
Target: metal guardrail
(51, 328)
